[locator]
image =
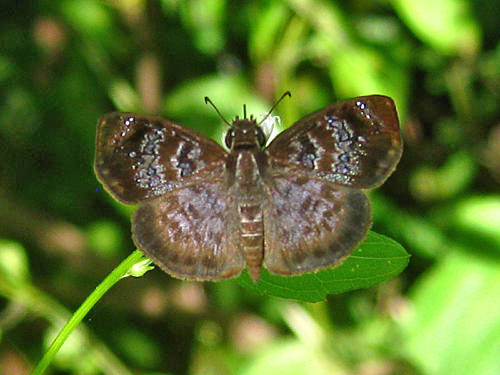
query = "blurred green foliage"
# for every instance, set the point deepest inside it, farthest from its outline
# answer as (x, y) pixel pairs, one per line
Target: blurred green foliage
(65, 63)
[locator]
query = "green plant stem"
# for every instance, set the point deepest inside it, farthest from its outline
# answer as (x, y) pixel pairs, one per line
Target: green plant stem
(119, 272)
(22, 292)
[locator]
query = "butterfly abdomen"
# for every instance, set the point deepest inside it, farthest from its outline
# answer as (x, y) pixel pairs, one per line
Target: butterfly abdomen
(252, 236)
(249, 193)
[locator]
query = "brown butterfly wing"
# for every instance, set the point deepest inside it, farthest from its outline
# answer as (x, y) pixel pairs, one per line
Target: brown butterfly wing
(353, 143)
(311, 224)
(142, 157)
(315, 213)
(191, 232)
(184, 221)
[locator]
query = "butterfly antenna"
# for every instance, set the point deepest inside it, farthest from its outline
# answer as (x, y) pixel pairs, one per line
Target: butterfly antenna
(287, 93)
(244, 111)
(208, 101)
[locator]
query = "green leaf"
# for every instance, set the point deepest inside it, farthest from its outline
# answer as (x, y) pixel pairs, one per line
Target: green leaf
(377, 259)
(205, 19)
(446, 25)
(13, 261)
(454, 324)
(480, 215)
(266, 30)
(88, 17)
(429, 183)
(139, 348)
(105, 238)
(361, 70)
(228, 92)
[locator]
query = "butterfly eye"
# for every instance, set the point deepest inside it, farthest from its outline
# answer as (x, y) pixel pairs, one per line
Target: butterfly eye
(228, 140)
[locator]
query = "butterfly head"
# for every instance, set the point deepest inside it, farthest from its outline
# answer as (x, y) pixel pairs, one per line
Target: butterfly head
(245, 133)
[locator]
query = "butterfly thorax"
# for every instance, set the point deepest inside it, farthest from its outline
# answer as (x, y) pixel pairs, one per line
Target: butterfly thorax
(245, 166)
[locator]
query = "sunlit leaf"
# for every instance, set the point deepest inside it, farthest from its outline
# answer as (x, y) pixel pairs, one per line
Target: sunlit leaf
(358, 70)
(205, 20)
(454, 324)
(447, 25)
(266, 30)
(13, 261)
(228, 92)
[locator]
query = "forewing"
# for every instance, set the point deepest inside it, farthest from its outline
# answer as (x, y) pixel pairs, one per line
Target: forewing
(353, 143)
(141, 157)
(190, 233)
(311, 224)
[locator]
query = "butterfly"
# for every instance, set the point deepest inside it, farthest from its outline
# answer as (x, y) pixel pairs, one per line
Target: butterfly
(294, 206)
